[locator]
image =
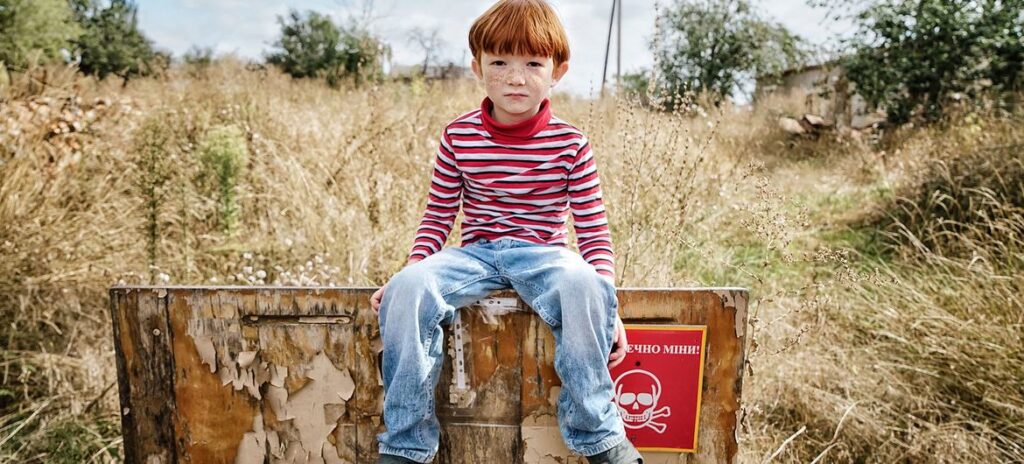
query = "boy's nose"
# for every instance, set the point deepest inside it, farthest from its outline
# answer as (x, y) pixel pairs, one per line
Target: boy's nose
(515, 77)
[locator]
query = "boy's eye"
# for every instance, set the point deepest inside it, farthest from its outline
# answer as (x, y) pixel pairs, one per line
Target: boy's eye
(535, 63)
(498, 63)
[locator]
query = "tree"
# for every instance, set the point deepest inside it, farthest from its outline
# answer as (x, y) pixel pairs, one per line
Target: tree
(197, 60)
(199, 57)
(312, 45)
(45, 27)
(112, 42)
(428, 41)
(916, 57)
(637, 85)
(364, 54)
(714, 46)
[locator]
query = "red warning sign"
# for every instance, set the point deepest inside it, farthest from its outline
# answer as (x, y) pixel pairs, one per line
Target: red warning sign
(658, 385)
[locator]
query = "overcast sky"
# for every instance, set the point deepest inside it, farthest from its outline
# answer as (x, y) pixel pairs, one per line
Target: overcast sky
(248, 28)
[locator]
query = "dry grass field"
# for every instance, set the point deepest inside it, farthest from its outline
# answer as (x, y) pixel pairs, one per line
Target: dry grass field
(885, 272)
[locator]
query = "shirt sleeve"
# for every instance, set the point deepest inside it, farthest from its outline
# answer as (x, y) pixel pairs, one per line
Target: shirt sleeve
(443, 201)
(588, 214)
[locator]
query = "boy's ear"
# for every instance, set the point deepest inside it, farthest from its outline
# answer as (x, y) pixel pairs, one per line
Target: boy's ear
(559, 71)
(476, 69)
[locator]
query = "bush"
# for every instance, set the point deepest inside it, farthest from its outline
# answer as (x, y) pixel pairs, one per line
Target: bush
(155, 166)
(222, 155)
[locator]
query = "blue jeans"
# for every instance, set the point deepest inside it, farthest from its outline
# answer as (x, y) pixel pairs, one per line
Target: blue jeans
(577, 303)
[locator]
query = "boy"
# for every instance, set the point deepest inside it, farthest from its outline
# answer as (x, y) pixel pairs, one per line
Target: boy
(517, 171)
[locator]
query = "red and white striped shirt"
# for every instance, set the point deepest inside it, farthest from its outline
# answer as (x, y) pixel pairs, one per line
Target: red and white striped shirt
(516, 181)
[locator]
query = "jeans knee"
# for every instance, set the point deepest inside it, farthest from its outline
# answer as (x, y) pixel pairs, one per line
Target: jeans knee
(572, 277)
(409, 279)
(577, 282)
(409, 296)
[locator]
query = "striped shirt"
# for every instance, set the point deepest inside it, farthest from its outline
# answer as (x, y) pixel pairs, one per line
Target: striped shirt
(516, 181)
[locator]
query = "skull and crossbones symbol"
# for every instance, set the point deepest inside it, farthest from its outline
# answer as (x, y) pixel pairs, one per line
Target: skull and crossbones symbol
(636, 395)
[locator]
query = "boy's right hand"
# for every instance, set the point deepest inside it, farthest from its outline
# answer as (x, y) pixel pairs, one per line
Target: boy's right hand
(377, 296)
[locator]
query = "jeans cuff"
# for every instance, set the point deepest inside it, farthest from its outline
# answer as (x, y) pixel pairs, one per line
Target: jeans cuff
(601, 446)
(415, 456)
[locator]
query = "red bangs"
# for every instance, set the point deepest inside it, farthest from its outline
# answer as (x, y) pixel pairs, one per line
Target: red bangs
(520, 27)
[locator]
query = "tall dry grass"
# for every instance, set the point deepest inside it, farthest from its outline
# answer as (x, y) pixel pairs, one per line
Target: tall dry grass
(858, 353)
(918, 355)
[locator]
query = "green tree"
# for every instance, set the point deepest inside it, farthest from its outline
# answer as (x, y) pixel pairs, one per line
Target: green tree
(112, 42)
(916, 57)
(312, 45)
(45, 27)
(197, 56)
(637, 85)
(197, 60)
(713, 47)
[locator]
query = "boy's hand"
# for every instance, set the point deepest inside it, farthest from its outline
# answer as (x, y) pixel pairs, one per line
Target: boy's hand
(619, 345)
(377, 296)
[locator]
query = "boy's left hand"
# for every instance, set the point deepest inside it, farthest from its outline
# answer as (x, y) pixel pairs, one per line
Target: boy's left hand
(619, 345)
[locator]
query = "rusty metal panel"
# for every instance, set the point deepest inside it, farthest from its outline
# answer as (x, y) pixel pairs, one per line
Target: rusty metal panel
(272, 374)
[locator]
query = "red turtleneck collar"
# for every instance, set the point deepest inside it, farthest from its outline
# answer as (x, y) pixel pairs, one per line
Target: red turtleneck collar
(520, 130)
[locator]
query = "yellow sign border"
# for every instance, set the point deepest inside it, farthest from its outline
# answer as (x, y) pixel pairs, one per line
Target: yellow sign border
(700, 377)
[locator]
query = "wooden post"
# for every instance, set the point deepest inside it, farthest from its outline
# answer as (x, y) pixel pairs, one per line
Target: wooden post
(279, 374)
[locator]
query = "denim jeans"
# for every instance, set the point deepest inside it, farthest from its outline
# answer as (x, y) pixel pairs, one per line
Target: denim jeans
(577, 303)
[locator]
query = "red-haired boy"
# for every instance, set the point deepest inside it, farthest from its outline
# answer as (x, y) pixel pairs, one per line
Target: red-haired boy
(518, 172)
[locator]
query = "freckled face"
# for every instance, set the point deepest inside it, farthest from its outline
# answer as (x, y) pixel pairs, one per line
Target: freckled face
(517, 84)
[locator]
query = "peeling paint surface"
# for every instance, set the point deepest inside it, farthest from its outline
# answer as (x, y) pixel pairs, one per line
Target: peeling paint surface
(491, 309)
(741, 314)
(317, 405)
(252, 448)
(281, 375)
(540, 444)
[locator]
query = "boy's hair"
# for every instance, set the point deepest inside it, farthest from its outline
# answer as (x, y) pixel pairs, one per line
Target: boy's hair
(520, 27)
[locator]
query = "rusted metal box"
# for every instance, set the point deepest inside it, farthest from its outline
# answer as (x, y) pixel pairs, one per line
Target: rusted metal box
(279, 374)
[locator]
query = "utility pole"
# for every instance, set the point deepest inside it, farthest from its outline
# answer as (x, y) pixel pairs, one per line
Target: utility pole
(607, 48)
(618, 51)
